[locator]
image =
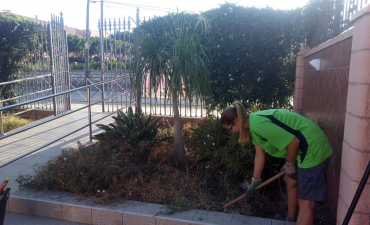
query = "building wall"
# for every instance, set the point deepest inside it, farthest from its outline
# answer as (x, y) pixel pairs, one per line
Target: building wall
(325, 98)
(337, 97)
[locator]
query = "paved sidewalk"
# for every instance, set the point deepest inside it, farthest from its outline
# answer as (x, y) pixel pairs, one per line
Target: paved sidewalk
(24, 142)
(22, 219)
(12, 146)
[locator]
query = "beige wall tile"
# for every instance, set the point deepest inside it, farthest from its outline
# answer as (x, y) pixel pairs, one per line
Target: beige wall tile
(19, 205)
(358, 100)
(104, 217)
(347, 190)
(360, 66)
(48, 209)
(356, 131)
(77, 214)
(353, 161)
(134, 219)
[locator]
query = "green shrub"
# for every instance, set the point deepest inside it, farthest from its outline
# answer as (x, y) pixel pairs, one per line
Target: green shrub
(215, 148)
(83, 170)
(253, 54)
(138, 130)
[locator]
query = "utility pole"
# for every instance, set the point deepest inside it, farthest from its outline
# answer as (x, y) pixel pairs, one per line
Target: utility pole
(101, 54)
(136, 47)
(87, 43)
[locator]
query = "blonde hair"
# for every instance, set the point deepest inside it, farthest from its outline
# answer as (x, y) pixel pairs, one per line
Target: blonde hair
(237, 110)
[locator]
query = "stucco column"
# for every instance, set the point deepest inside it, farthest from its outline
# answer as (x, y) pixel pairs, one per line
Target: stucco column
(298, 84)
(356, 143)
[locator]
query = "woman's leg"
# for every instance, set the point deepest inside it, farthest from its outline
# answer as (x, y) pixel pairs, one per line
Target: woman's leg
(292, 190)
(306, 212)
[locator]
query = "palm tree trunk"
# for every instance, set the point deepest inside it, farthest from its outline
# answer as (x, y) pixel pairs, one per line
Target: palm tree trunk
(178, 148)
(138, 98)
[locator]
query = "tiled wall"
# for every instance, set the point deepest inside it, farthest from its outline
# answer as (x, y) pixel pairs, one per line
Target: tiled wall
(324, 101)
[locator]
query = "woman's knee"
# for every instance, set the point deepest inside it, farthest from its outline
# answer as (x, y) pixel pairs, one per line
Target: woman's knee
(290, 183)
(306, 204)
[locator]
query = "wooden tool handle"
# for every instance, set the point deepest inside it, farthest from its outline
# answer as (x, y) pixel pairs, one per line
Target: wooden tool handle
(259, 186)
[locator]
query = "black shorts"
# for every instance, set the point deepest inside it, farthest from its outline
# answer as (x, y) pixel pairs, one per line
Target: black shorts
(312, 182)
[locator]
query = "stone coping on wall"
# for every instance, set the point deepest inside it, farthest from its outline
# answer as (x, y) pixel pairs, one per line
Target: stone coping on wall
(344, 35)
(70, 207)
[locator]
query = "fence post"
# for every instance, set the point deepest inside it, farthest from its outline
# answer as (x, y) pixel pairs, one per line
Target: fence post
(1, 123)
(89, 112)
(66, 66)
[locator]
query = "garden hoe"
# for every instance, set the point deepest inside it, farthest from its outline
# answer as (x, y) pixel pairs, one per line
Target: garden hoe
(259, 186)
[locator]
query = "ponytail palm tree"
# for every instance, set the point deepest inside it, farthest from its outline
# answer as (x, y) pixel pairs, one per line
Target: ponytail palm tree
(180, 59)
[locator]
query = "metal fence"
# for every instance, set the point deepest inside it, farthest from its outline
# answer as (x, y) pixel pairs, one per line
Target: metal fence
(116, 93)
(334, 18)
(120, 47)
(154, 101)
(34, 77)
(46, 72)
(43, 72)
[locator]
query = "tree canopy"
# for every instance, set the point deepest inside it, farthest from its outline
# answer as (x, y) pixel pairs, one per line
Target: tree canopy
(253, 55)
(18, 38)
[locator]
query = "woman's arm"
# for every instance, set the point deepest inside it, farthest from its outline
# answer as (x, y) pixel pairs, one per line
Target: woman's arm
(292, 150)
(259, 162)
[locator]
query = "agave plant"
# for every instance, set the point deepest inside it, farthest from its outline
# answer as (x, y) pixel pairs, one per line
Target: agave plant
(134, 128)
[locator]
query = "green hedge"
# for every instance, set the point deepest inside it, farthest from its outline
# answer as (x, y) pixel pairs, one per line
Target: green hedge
(253, 55)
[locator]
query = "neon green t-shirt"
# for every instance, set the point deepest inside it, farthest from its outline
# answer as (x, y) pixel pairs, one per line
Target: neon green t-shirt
(274, 129)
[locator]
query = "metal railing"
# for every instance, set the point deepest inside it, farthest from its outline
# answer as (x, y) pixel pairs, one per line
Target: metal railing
(154, 101)
(42, 71)
(334, 18)
(118, 103)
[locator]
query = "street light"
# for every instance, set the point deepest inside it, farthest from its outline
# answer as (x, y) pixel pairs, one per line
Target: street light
(87, 43)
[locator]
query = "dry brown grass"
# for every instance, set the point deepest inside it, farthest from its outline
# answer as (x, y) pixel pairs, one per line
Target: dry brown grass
(109, 172)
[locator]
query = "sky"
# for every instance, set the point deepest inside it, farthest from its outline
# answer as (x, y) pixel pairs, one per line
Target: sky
(74, 11)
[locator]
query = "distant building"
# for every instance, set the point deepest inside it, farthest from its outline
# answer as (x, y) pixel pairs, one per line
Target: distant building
(69, 30)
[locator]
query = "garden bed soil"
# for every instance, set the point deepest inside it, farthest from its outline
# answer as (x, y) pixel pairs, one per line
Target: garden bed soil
(110, 171)
(119, 176)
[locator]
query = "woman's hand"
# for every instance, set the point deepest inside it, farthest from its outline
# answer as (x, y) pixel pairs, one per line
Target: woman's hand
(289, 167)
(255, 182)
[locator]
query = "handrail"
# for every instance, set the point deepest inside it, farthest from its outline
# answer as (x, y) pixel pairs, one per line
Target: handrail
(22, 96)
(59, 116)
(58, 94)
(52, 142)
(90, 122)
(25, 79)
